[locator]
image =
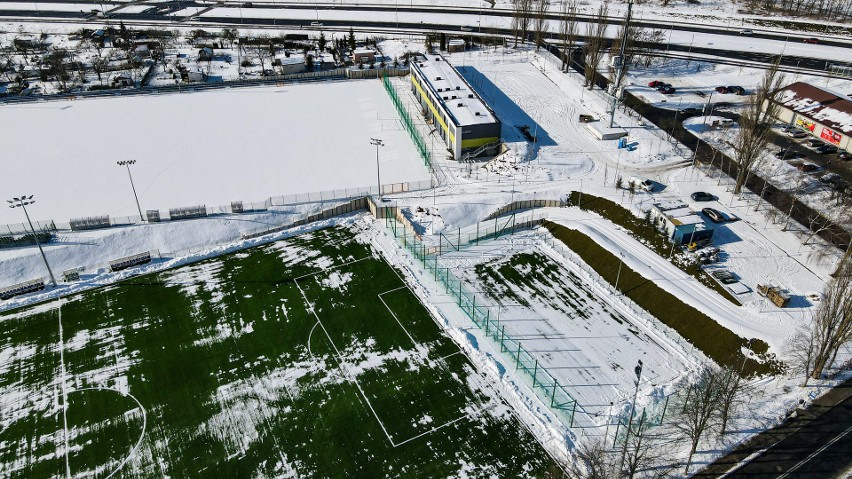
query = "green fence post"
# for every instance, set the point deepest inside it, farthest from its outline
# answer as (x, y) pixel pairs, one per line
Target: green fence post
(665, 406)
(553, 393)
(573, 411)
(487, 315)
(477, 234)
(473, 308)
(535, 371)
(518, 364)
(502, 337)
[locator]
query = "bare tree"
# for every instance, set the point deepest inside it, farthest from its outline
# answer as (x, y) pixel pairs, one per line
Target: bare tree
(644, 451)
(540, 24)
(595, 31)
(800, 350)
(594, 461)
(568, 31)
(698, 411)
(521, 19)
(755, 123)
(100, 64)
(731, 389)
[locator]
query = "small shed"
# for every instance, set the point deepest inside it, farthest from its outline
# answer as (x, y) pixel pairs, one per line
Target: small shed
(455, 45)
(292, 64)
(364, 55)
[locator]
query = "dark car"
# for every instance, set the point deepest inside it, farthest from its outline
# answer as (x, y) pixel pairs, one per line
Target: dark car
(844, 155)
(787, 154)
(721, 89)
(667, 90)
(807, 167)
(662, 85)
(688, 111)
(811, 40)
(815, 142)
(714, 215)
(701, 196)
(826, 149)
(736, 89)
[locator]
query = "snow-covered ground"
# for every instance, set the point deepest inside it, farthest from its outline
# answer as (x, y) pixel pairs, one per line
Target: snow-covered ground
(524, 88)
(203, 148)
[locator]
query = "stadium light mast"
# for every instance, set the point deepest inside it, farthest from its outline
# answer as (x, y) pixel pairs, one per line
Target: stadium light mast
(22, 202)
(638, 371)
(618, 63)
(378, 143)
(127, 163)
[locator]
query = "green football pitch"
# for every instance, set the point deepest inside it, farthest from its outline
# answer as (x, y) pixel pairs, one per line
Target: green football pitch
(308, 357)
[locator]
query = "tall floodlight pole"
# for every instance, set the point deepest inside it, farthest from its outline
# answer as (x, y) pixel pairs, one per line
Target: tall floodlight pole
(378, 143)
(127, 164)
(22, 202)
(618, 275)
(638, 371)
(619, 63)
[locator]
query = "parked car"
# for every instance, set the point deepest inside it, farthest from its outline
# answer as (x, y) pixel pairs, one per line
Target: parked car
(714, 215)
(667, 90)
(829, 178)
(811, 40)
(736, 89)
(688, 111)
(654, 83)
(799, 134)
(662, 85)
(815, 142)
(787, 154)
(722, 89)
(641, 183)
(807, 167)
(844, 156)
(826, 149)
(702, 196)
(747, 32)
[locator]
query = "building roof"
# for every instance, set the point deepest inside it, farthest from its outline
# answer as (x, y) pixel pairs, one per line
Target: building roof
(459, 99)
(817, 104)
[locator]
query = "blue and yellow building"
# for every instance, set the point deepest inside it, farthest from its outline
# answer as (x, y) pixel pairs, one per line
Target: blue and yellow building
(462, 119)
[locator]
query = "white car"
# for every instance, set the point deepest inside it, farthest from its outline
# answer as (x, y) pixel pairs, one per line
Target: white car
(746, 32)
(643, 184)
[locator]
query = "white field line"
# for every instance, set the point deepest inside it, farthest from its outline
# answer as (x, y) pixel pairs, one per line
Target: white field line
(144, 425)
(416, 345)
(64, 391)
(340, 361)
(430, 431)
(450, 355)
(325, 270)
(309, 338)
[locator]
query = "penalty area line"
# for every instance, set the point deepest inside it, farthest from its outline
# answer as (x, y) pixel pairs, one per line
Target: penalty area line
(340, 364)
(436, 428)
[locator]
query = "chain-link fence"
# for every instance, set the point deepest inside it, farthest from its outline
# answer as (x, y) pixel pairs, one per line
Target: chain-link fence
(475, 308)
(419, 143)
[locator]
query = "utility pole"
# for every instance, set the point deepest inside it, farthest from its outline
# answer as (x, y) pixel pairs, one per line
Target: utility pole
(618, 275)
(127, 163)
(638, 371)
(618, 63)
(378, 143)
(22, 202)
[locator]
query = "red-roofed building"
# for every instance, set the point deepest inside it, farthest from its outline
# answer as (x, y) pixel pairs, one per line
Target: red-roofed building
(825, 114)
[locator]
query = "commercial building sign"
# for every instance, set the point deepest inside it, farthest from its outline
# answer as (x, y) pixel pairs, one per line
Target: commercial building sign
(805, 123)
(830, 135)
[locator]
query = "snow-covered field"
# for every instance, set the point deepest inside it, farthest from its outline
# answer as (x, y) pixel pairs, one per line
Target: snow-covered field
(202, 148)
(524, 88)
